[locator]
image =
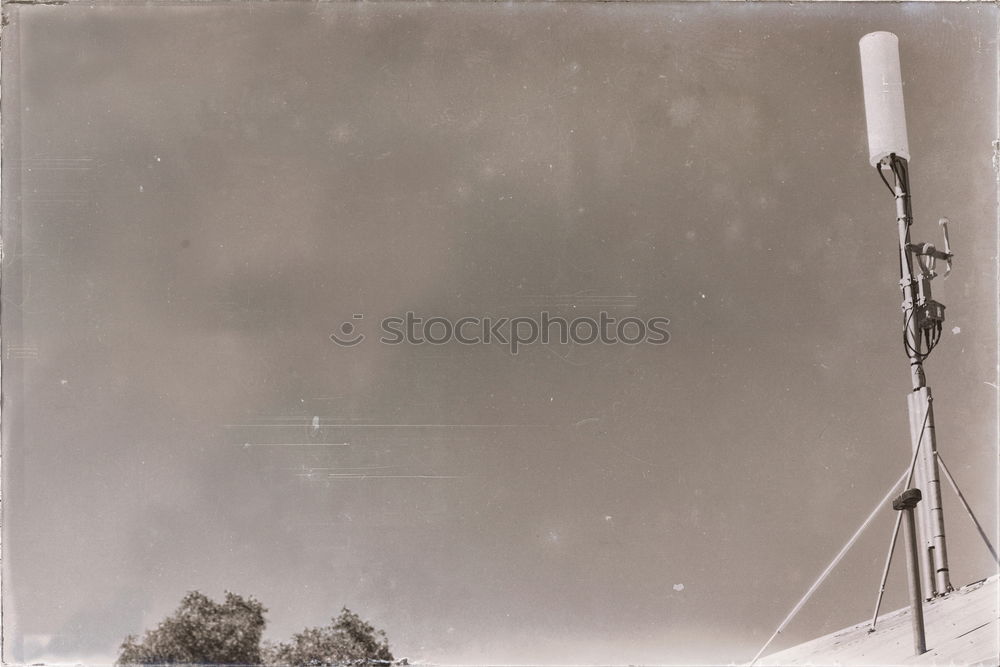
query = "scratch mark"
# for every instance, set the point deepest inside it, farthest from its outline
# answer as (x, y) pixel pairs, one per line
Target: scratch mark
(22, 352)
(360, 476)
(247, 445)
(633, 456)
(305, 469)
(551, 350)
(398, 426)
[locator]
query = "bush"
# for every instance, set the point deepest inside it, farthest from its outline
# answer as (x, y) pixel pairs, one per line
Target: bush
(202, 631)
(348, 640)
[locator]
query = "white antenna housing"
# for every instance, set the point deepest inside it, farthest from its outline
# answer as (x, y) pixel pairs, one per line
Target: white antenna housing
(883, 86)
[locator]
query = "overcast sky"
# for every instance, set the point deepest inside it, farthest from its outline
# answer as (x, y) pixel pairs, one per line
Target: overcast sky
(196, 197)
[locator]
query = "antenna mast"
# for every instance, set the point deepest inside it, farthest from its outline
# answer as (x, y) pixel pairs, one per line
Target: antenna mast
(923, 317)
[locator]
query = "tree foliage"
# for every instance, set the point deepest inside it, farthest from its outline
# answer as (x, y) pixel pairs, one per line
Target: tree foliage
(202, 631)
(205, 632)
(348, 640)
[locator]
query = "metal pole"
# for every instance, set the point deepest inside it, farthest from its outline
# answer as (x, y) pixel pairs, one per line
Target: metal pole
(905, 502)
(919, 413)
(934, 554)
(958, 492)
(933, 508)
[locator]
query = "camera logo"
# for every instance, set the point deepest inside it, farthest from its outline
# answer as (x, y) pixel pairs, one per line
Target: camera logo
(347, 336)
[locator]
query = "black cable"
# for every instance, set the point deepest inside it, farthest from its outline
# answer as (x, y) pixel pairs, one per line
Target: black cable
(907, 346)
(937, 336)
(914, 348)
(898, 172)
(881, 174)
(935, 339)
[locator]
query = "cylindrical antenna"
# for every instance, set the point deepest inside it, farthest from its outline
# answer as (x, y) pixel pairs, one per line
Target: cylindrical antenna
(883, 86)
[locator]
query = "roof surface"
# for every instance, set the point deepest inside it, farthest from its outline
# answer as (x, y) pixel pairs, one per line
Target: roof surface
(961, 629)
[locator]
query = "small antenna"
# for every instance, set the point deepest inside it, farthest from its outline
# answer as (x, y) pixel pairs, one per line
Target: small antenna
(943, 223)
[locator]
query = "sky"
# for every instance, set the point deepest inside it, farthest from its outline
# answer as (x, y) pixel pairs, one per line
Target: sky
(196, 197)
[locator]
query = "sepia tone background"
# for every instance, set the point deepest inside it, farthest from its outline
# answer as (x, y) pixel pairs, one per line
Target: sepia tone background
(195, 197)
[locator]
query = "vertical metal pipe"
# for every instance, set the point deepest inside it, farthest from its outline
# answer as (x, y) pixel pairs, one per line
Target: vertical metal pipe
(904, 218)
(918, 428)
(933, 509)
(905, 502)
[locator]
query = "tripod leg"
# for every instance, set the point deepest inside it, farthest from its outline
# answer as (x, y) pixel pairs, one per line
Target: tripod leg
(885, 571)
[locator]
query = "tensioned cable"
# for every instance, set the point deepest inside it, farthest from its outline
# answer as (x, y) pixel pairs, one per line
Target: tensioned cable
(829, 568)
(965, 503)
(881, 174)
